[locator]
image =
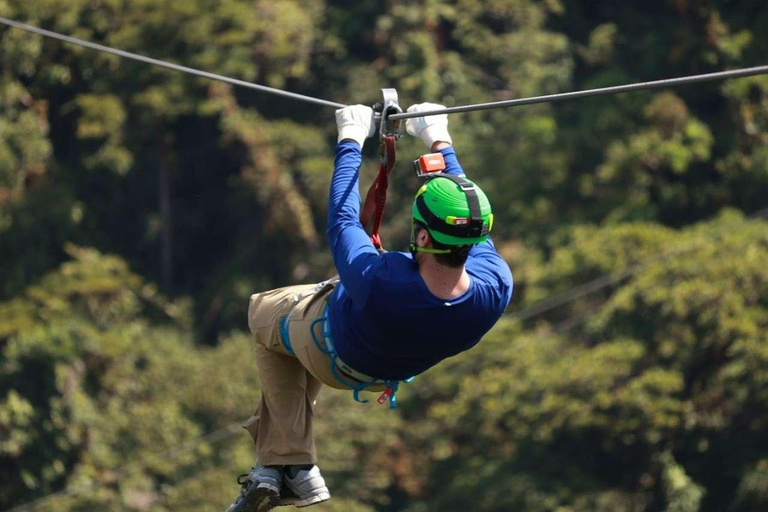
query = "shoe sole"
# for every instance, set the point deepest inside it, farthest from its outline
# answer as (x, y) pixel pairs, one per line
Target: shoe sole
(313, 500)
(262, 499)
(306, 502)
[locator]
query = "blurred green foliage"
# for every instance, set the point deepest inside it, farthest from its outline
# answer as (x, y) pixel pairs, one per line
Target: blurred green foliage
(123, 379)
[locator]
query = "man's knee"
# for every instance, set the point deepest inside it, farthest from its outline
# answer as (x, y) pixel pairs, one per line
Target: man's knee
(260, 310)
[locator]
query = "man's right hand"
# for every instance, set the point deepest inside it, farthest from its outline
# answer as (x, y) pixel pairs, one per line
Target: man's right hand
(355, 123)
(433, 130)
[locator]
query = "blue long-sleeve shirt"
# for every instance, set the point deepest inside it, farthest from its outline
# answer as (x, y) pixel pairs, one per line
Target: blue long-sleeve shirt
(384, 320)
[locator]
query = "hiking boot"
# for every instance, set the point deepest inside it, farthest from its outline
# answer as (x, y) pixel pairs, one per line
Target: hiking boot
(305, 489)
(260, 490)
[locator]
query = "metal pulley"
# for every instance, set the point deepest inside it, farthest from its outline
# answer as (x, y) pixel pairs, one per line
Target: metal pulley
(389, 106)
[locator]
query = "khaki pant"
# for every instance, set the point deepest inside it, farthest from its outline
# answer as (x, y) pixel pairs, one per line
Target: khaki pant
(282, 426)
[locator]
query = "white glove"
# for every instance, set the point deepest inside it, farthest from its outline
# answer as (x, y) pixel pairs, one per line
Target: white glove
(355, 122)
(430, 129)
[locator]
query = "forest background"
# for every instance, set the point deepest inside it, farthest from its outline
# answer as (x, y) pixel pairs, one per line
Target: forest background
(140, 208)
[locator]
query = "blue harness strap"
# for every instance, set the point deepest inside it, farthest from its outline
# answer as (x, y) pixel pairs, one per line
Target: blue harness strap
(284, 337)
(326, 347)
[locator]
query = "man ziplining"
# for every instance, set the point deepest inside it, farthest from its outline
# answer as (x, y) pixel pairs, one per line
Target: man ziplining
(387, 317)
(391, 315)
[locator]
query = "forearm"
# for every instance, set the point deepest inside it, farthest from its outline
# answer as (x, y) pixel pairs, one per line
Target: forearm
(344, 197)
(452, 165)
(350, 246)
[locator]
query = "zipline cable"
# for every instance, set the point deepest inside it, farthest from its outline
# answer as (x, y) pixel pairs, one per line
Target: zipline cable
(168, 65)
(552, 98)
(549, 98)
(568, 296)
(577, 319)
(524, 314)
(216, 436)
(527, 313)
(537, 309)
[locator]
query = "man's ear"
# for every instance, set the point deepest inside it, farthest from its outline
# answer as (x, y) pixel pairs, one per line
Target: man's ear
(423, 239)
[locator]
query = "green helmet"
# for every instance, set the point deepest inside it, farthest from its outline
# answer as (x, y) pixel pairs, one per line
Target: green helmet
(454, 209)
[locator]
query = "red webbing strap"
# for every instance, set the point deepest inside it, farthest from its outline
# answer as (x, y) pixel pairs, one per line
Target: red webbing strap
(376, 199)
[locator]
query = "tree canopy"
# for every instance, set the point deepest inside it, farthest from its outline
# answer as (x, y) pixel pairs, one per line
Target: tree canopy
(140, 208)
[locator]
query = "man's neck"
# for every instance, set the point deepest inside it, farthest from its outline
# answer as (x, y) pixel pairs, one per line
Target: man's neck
(444, 282)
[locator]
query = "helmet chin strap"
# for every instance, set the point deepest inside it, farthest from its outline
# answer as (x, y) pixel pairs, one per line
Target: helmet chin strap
(415, 248)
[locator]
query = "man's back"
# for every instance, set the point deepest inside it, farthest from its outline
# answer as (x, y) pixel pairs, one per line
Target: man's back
(402, 329)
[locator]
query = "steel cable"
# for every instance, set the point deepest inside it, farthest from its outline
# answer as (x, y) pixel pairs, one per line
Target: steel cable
(532, 311)
(552, 98)
(168, 65)
(570, 295)
(216, 436)
(537, 309)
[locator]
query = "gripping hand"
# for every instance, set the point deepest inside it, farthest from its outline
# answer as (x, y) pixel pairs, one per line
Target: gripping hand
(430, 129)
(355, 123)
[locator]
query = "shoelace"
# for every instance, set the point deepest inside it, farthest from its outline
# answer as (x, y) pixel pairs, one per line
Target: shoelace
(243, 480)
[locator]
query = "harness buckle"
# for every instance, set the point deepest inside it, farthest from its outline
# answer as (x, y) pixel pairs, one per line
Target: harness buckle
(385, 396)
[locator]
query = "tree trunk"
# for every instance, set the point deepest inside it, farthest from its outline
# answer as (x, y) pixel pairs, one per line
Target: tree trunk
(166, 240)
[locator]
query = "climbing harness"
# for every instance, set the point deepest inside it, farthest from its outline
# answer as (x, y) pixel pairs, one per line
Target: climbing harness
(320, 288)
(376, 198)
(342, 372)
